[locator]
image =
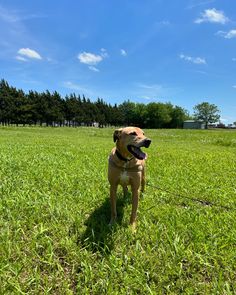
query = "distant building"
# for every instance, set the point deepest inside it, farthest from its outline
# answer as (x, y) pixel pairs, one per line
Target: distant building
(192, 124)
(95, 124)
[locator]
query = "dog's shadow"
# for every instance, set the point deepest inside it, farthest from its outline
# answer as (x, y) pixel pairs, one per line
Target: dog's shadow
(98, 235)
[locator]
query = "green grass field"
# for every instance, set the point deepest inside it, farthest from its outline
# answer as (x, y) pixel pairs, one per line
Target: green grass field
(54, 214)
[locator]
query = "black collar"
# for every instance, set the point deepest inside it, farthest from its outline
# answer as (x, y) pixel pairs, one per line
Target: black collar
(121, 157)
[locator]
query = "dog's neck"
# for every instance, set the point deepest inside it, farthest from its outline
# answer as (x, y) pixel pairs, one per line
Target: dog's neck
(119, 155)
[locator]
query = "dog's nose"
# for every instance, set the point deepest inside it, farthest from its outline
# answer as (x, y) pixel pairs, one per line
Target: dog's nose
(147, 142)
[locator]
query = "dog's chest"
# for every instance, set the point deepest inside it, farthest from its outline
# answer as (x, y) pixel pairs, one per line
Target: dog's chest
(124, 178)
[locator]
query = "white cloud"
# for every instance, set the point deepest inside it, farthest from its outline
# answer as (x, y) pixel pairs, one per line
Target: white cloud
(29, 53)
(89, 58)
(123, 52)
(92, 59)
(212, 16)
(21, 58)
(227, 35)
(94, 69)
(231, 34)
(195, 60)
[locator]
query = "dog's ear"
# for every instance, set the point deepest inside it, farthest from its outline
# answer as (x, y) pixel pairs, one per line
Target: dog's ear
(116, 134)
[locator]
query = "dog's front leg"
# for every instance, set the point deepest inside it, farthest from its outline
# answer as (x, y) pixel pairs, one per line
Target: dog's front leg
(135, 199)
(143, 180)
(113, 190)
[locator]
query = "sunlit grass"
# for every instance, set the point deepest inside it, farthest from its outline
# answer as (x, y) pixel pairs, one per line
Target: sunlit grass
(55, 210)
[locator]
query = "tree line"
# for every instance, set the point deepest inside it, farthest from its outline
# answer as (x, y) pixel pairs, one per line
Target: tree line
(51, 109)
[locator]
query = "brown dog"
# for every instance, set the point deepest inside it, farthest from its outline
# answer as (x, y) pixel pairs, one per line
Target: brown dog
(126, 167)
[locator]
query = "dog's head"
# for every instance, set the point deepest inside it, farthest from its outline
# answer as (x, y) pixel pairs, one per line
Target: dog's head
(129, 141)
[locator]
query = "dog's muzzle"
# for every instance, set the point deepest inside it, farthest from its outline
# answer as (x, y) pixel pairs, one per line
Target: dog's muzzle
(136, 151)
(147, 143)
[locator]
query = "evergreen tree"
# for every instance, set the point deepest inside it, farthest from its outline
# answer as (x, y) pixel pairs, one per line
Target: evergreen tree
(6, 103)
(51, 109)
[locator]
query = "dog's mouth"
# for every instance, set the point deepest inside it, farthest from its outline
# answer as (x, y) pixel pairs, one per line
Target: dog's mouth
(137, 152)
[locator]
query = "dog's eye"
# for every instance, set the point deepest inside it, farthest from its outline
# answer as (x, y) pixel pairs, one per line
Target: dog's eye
(133, 133)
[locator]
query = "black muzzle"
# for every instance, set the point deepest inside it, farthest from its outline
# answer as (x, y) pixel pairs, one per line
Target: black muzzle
(147, 142)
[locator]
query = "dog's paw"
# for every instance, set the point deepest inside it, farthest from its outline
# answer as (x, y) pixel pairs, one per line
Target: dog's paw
(142, 195)
(112, 222)
(133, 227)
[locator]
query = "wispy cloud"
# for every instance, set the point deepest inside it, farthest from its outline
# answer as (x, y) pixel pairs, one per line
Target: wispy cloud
(163, 23)
(227, 35)
(7, 16)
(14, 16)
(199, 72)
(123, 52)
(234, 59)
(104, 53)
(212, 16)
(155, 87)
(148, 91)
(81, 89)
(71, 85)
(201, 3)
(234, 86)
(195, 60)
(78, 88)
(28, 53)
(146, 97)
(94, 69)
(21, 58)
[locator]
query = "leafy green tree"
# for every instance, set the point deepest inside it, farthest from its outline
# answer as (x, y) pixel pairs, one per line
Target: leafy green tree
(127, 109)
(178, 116)
(208, 113)
(140, 115)
(158, 115)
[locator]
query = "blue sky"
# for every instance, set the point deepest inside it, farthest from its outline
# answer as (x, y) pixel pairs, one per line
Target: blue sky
(182, 51)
